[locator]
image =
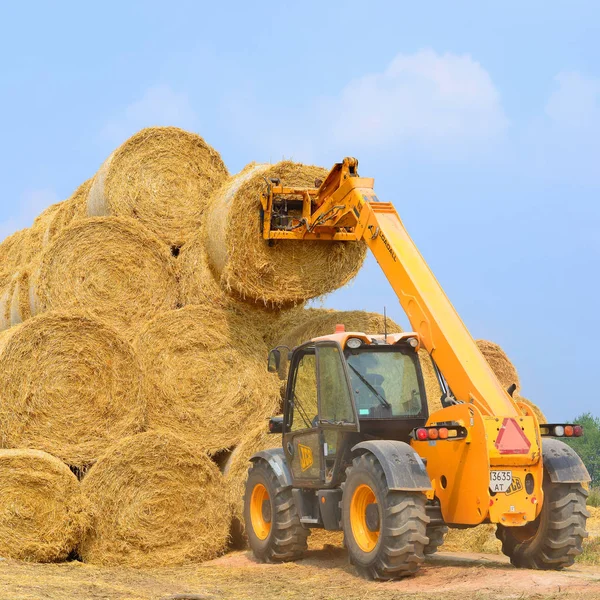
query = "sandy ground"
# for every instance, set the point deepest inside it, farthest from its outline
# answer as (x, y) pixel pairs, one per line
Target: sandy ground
(324, 574)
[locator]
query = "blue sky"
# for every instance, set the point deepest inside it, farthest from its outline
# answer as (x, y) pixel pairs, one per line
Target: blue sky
(480, 121)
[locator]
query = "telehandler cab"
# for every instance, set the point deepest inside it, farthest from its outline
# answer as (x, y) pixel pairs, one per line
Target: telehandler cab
(360, 451)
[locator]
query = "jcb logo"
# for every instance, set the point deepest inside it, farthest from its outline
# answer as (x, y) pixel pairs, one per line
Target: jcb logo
(306, 457)
(515, 486)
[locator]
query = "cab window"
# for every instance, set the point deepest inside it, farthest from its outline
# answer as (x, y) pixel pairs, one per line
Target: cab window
(336, 401)
(304, 393)
(385, 384)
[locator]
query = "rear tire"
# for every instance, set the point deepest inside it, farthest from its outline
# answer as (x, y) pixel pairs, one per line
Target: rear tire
(385, 531)
(272, 523)
(436, 535)
(555, 538)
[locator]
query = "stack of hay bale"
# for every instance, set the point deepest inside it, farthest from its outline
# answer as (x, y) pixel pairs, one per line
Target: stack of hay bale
(136, 318)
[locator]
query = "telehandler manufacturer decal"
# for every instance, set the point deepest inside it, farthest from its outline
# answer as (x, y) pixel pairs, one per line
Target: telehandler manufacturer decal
(515, 486)
(306, 457)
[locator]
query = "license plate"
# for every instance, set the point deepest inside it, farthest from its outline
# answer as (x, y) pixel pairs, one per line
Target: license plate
(500, 481)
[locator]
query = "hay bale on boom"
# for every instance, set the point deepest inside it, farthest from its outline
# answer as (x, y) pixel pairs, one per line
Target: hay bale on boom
(205, 375)
(162, 176)
(41, 507)
(155, 500)
(284, 273)
(110, 268)
(70, 386)
(501, 365)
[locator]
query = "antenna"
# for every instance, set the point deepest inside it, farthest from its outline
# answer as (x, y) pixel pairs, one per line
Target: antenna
(384, 325)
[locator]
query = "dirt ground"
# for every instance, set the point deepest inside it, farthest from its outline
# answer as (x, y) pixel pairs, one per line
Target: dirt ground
(323, 574)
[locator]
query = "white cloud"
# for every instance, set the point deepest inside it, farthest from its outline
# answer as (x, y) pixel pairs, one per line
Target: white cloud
(32, 203)
(425, 99)
(564, 143)
(160, 105)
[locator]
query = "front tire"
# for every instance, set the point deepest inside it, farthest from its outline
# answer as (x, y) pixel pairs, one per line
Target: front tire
(384, 530)
(555, 538)
(272, 523)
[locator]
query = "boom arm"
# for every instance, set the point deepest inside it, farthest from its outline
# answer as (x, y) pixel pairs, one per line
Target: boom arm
(345, 207)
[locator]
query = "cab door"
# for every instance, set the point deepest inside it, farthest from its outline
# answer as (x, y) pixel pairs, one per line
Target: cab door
(319, 409)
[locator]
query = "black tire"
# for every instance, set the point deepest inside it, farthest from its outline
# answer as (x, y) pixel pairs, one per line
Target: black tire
(436, 535)
(286, 539)
(556, 536)
(398, 551)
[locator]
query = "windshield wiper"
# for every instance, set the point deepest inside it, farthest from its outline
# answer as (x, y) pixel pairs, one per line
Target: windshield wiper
(379, 397)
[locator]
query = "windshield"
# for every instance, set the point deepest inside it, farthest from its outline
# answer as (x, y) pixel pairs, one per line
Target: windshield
(385, 384)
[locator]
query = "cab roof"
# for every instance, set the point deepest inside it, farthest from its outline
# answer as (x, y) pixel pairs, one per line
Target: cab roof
(342, 338)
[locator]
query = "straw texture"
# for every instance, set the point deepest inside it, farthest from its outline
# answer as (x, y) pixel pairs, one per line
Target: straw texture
(205, 374)
(41, 507)
(70, 386)
(281, 274)
(155, 500)
(110, 268)
(162, 176)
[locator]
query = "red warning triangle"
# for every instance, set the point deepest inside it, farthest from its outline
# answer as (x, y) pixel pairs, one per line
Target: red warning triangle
(512, 439)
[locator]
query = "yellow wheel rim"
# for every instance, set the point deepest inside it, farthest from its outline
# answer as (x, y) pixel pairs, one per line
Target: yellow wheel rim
(260, 526)
(362, 497)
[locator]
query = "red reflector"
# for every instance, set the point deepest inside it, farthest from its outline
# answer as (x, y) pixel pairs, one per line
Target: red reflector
(577, 430)
(511, 439)
(422, 435)
(339, 328)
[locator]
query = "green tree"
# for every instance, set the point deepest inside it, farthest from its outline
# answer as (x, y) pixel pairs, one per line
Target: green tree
(588, 446)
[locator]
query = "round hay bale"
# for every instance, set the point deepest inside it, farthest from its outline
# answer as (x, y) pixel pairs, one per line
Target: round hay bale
(236, 468)
(35, 241)
(155, 500)
(162, 176)
(303, 326)
(13, 250)
(287, 272)
(70, 386)
(541, 417)
(110, 268)
(68, 211)
(20, 301)
(42, 516)
(204, 373)
(7, 287)
(501, 365)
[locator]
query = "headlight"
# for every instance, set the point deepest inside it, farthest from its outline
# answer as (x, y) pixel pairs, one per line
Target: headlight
(414, 342)
(354, 343)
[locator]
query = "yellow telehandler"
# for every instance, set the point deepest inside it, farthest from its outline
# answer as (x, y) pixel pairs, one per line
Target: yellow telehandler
(360, 452)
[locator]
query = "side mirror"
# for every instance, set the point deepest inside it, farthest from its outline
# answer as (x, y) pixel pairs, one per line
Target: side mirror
(276, 425)
(274, 361)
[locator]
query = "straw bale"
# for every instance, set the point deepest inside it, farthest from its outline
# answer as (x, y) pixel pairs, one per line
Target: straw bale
(20, 301)
(236, 467)
(155, 500)
(541, 417)
(303, 326)
(198, 286)
(162, 176)
(7, 287)
(13, 250)
(70, 386)
(35, 241)
(501, 365)
(42, 516)
(476, 539)
(285, 272)
(111, 268)
(205, 373)
(67, 212)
